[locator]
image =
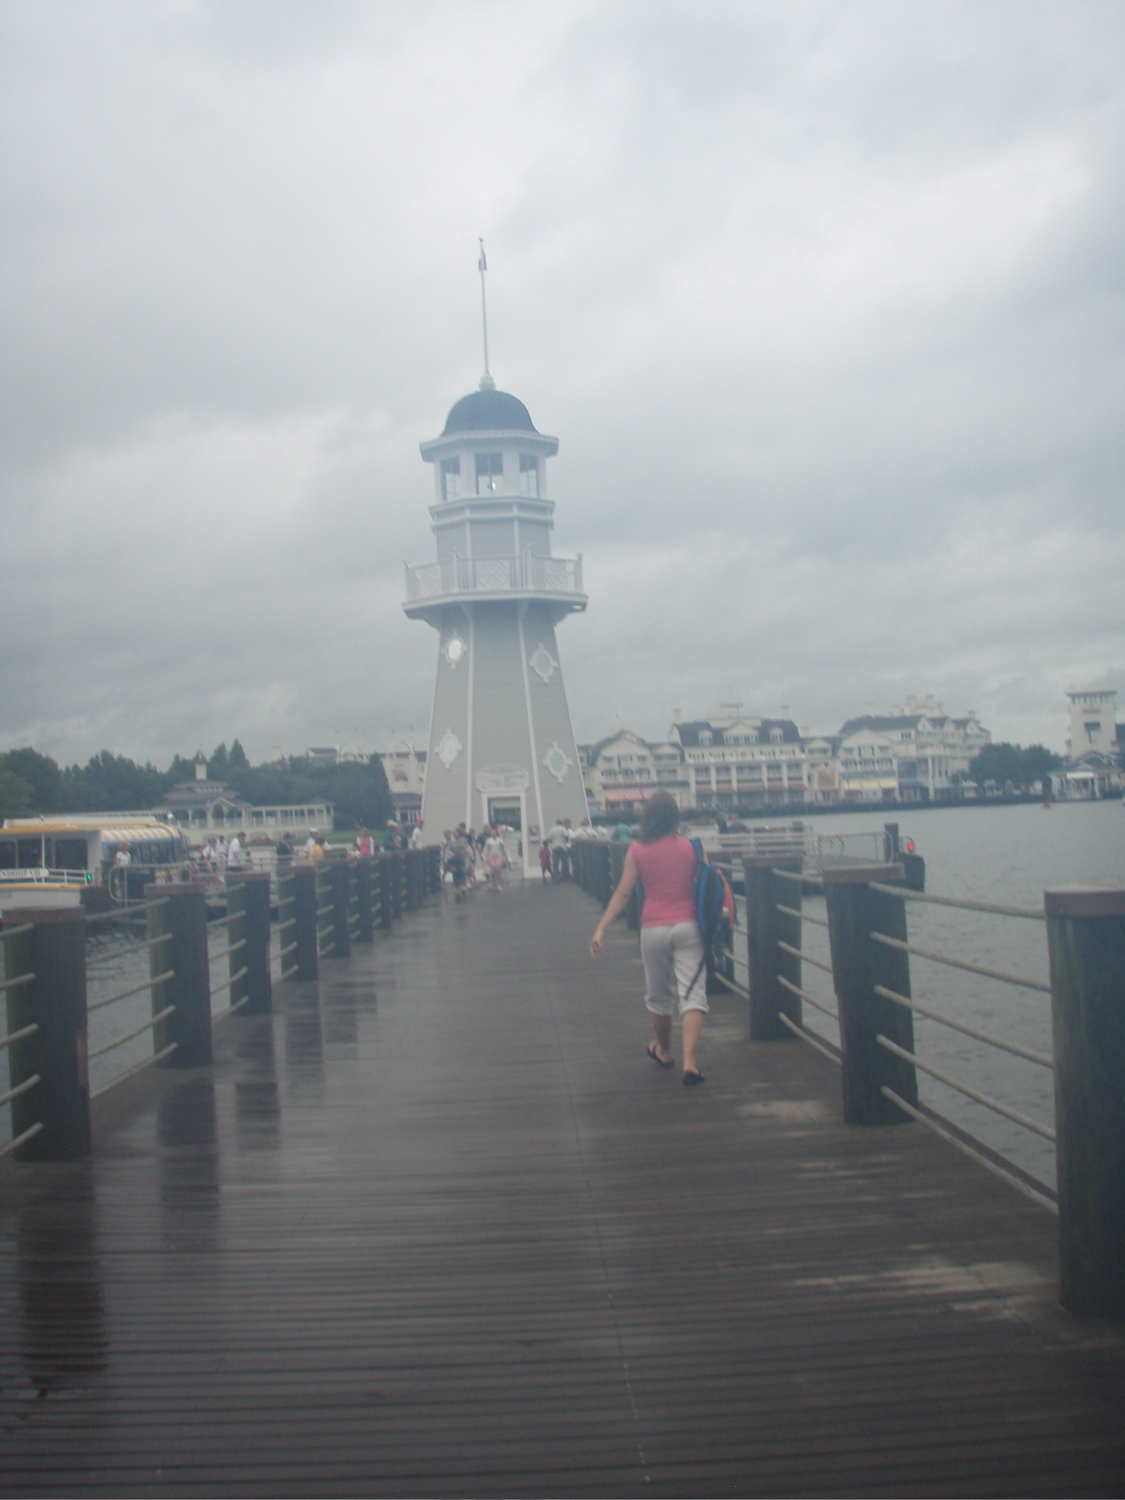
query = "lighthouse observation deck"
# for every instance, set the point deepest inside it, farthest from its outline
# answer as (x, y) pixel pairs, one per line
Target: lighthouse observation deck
(524, 575)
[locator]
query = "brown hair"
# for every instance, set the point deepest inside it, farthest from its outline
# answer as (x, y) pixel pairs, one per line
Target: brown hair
(660, 817)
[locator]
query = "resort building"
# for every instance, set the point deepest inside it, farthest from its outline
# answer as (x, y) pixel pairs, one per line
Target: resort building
(735, 762)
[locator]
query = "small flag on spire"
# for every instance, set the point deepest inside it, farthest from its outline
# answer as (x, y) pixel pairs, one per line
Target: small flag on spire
(482, 263)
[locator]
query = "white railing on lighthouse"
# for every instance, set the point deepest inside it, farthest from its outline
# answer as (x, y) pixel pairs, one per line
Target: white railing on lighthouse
(522, 573)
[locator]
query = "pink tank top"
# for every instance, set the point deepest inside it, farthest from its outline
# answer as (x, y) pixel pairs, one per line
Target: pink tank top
(667, 868)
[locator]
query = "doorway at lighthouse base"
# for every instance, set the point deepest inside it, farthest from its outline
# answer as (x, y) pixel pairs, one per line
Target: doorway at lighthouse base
(501, 745)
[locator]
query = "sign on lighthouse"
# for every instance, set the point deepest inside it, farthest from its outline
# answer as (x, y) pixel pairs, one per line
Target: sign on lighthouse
(502, 749)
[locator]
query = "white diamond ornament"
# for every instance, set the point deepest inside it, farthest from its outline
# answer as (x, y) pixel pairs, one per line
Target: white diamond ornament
(449, 749)
(543, 663)
(454, 650)
(558, 762)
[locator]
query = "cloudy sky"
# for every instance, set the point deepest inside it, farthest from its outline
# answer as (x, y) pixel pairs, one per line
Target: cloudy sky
(823, 299)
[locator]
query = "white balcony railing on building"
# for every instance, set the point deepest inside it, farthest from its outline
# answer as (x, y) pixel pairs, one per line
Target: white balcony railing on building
(525, 573)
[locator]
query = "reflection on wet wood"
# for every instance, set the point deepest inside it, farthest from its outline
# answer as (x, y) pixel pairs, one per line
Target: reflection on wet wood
(468, 1240)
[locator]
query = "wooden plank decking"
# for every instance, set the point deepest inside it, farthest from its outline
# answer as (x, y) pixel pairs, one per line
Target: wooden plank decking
(440, 1228)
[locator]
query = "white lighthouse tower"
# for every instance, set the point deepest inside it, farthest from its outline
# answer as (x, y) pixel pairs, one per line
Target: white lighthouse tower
(501, 745)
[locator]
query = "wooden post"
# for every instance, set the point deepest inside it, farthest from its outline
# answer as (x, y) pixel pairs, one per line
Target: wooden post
(398, 879)
(858, 964)
(381, 878)
(365, 923)
(248, 891)
(1086, 942)
(766, 927)
(303, 889)
(180, 914)
(339, 898)
(55, 1002)
(412, 869)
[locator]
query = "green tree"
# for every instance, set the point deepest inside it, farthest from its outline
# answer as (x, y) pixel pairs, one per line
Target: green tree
(15, 792)
(110, 783)
(1023, 767)
(237, 758)
(40, 772)
(219, 764)
(1037, 763)
(179, 770)
(1000, 763)
(359, 792)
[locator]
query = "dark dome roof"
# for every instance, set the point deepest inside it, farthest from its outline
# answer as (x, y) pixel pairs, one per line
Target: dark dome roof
(488, 411)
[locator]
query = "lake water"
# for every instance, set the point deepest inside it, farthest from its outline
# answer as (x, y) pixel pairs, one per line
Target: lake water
(1003, 854)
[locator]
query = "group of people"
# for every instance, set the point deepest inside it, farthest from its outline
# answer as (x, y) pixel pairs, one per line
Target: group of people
(220, 853)
(463, 848)
(396, 836)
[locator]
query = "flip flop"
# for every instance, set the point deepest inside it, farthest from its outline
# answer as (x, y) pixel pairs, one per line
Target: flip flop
(691, 1079)
(660, 1063)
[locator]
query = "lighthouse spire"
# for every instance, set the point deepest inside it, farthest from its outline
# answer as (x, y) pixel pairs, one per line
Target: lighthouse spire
(486, 381)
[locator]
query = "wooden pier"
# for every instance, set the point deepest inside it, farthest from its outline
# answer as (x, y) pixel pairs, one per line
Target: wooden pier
(438, 1227)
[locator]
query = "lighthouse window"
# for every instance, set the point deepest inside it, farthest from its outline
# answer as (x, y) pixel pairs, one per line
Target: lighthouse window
(490, 471)
(450, 478)
(529, 474)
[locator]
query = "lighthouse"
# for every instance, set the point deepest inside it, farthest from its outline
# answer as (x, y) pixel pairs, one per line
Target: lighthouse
(501, 747)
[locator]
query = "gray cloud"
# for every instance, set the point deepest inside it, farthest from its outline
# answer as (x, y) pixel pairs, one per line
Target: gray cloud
(823, 300)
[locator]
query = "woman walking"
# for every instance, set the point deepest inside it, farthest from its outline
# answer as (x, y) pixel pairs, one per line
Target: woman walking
(495, 857)
(671, 947)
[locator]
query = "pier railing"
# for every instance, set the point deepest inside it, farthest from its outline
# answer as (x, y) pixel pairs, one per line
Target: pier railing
(857, 976)
(200, 973)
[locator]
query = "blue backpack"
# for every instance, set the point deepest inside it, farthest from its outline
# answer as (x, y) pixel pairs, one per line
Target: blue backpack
(714, 912)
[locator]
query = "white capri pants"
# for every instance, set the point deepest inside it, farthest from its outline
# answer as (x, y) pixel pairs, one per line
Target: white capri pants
(674, 968)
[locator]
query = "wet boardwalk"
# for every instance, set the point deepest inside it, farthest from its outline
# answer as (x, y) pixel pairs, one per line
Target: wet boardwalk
(440, 1228)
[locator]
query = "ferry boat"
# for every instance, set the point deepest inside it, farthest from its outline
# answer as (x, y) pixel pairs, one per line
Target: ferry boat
(76, 855)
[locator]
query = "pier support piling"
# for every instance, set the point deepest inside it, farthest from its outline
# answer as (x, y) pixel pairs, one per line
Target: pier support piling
(181, 916)
(339, 880)
(766, 929)
(54, 1003)
(1086, 943)
(361, 878)
(249, 893)
(303, 888)
(855, 911)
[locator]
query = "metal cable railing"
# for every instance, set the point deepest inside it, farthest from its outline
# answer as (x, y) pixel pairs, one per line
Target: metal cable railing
(1014, 1048)
(1015, 1115)
(963, 1146)
(14, 984)
(112, 957)
(807, 1036)
(137, 1031)
(1028, 912)
(136, 989)
(962, 963)
(129, 912)
(932, 1069)
(140, 1067)
(225, 921)
(227, 951)
(806, 997)
(225, 984)
(19, 1140)
(18, 1090)
(21, 1088)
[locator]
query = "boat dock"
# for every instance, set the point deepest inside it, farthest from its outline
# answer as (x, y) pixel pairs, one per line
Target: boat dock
(437, 1226)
